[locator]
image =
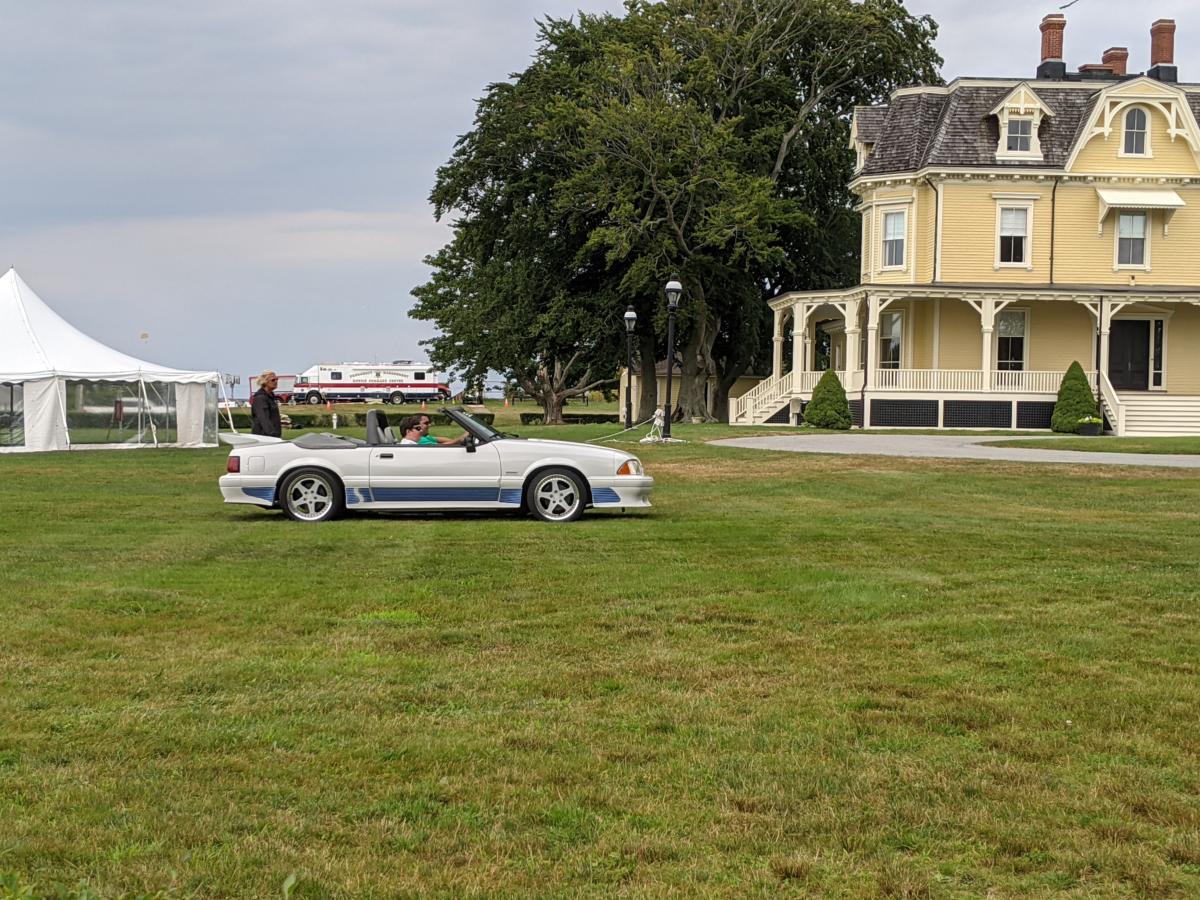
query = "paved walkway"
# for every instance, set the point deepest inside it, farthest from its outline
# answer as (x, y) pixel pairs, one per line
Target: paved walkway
(952, 447)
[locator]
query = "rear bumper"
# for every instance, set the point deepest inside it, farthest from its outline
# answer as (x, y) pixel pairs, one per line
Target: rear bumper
(622, 491)
(252, 489)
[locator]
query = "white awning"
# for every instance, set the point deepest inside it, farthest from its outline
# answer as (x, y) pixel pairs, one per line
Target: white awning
(1112, 198)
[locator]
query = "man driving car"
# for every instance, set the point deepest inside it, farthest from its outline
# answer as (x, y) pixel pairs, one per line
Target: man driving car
(428, 439)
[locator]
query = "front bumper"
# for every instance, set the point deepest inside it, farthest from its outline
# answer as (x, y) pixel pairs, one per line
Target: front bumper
(622, 491)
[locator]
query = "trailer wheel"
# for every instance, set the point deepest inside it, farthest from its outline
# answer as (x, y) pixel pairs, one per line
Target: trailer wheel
(396, 398)
(313, 398)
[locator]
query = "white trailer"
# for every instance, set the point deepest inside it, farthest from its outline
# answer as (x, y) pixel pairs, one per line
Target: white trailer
(401, 381)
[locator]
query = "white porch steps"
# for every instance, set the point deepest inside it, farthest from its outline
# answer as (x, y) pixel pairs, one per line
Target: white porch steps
(1149, 414)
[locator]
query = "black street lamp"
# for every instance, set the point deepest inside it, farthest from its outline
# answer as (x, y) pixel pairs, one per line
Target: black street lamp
(630, 324)
(673, 290)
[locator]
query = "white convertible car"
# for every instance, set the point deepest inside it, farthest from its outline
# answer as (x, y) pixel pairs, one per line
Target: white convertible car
(316, 476)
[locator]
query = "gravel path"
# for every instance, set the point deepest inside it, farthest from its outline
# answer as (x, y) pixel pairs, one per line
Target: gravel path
(952, 447)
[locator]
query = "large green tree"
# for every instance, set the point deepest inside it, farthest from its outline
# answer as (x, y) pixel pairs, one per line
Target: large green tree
(703, 138)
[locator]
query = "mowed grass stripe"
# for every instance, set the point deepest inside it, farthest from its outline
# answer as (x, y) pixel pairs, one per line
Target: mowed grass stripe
(799, 674)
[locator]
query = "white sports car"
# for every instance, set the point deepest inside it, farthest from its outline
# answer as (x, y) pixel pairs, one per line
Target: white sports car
(316, 476)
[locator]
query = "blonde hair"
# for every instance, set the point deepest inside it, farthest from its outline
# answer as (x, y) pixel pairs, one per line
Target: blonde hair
(267, 376)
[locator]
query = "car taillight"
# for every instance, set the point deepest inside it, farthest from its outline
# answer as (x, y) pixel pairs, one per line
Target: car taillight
(234, 464)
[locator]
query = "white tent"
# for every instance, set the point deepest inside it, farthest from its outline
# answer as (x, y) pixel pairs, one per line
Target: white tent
(60, 389)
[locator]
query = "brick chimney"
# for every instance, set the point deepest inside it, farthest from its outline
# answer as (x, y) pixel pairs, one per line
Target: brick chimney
(1116, 58)
(1052, 65)
(1162, 51)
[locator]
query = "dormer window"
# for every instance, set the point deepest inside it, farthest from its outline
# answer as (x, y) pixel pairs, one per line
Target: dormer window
(1020, 135)
(1019, 116)
(1136, 143)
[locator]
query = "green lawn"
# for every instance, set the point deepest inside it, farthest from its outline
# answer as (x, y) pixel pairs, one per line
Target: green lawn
(809, 675)
(1186, 445)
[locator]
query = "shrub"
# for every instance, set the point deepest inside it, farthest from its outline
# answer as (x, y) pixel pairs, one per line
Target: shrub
(1075, 402)
(535, 418)
(828, 407)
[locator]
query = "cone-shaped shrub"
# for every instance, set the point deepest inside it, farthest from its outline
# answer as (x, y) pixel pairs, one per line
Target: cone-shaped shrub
(828, 407)
(1075, 401)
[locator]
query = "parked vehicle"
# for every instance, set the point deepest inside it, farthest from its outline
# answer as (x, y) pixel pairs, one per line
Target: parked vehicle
(401, 381)
(316, 476)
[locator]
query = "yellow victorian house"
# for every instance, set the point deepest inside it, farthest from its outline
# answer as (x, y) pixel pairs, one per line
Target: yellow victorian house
(1009, 227)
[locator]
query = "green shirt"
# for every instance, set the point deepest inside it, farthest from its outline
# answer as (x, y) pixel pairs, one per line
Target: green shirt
(427, 439)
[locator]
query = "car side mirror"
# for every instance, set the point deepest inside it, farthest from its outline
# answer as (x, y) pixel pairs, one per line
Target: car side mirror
(469, 443)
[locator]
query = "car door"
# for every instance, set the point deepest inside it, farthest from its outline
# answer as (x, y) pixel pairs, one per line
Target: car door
(408, 476)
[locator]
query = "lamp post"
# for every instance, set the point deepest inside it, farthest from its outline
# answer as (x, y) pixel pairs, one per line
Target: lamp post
(673, 290)
(630, 324)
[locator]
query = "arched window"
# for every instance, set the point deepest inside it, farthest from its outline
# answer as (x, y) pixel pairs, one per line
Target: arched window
(1135, 132)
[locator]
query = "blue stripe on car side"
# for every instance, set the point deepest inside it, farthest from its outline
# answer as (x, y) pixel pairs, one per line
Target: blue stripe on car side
(261, 493)
(510, 495)
(605, 495)
(434, 495)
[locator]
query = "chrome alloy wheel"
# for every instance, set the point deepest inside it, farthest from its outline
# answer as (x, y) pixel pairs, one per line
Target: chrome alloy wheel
(557, 497)
(310, 498)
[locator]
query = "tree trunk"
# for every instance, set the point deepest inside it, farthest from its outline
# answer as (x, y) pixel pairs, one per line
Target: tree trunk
(647, 375)
(552, 404)
(695, 365)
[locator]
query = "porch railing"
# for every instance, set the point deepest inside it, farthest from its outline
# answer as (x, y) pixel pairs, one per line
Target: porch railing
(927, 380)
(765, 394)
(1024, 382)
(806, 382)
(1110, 404)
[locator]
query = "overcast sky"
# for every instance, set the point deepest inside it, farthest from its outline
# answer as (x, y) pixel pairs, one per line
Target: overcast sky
(246, 183)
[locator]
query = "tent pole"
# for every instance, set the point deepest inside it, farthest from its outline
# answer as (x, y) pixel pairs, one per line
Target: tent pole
(228, 411)
(149, 415)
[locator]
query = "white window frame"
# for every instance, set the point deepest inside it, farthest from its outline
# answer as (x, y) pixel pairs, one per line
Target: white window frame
(883, 239)
(904, 357)
(1125, 114)
(1024, 311)
(1144, 266)
(1022, 102)
(1027, 263)
(1009, 135)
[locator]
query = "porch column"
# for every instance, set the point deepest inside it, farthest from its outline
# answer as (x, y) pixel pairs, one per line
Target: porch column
(798, 319)
(853, 356)
(873, 310)
(987, 323)
(1105, 327)
(777, 346)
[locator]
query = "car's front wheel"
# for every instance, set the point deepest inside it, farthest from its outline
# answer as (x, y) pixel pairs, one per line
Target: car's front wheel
(313, 398)
(312, 495)
(556, 495)
(397, 398)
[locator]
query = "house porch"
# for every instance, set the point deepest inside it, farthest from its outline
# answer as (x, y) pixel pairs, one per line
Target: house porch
(928, 357)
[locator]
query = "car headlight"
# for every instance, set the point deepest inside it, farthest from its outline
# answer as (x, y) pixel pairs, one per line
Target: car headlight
(630, 467)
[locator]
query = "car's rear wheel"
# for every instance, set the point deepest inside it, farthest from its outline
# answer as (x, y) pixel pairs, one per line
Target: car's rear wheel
(556, 495)
(397, 398)
(312, 495)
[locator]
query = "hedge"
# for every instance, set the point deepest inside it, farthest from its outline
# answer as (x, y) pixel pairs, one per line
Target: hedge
(535, 418)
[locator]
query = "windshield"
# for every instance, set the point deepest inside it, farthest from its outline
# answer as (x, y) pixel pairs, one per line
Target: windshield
(480, 429)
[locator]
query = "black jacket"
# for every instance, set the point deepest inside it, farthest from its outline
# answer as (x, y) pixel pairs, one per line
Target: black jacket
(264, 414)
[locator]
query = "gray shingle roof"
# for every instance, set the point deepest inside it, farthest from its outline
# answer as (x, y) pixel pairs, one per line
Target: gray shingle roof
(957, 129)
(868, 120)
